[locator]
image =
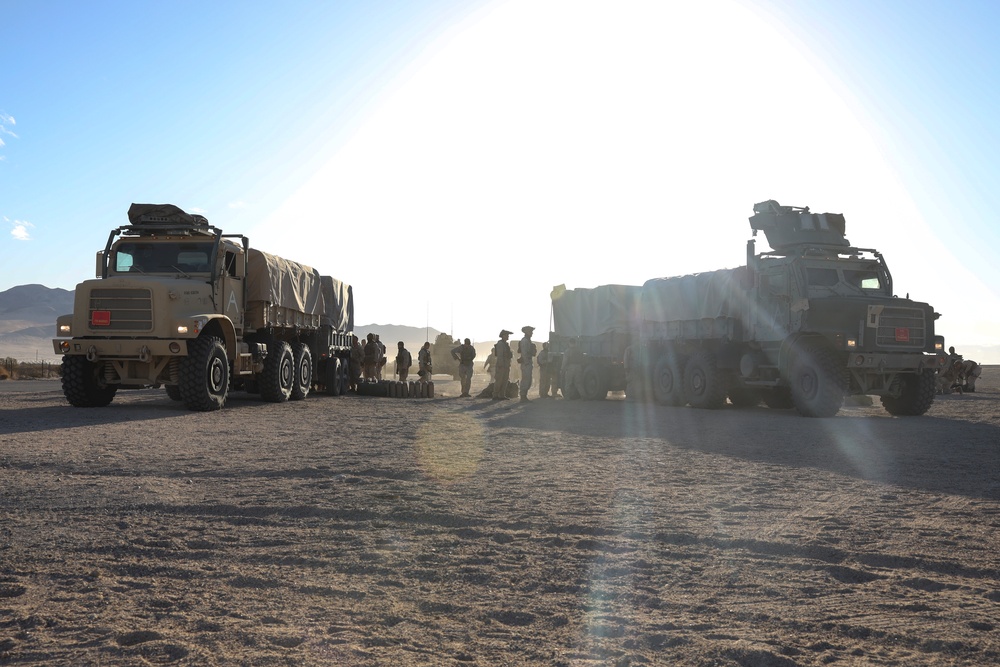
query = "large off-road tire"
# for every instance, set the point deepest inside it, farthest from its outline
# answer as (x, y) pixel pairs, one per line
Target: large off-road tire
(778, 398)
(345, 376)
(595, 385)
(303, 371)
(204, 375)
(916, 395)
(667, 381)
(174, 392)
(818, 382)
(704, 386)
(332, 377)
(744, 397)
(279, 373)
(84, 385)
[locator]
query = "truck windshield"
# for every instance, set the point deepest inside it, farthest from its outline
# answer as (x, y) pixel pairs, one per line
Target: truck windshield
(852, 278)
(162, 257)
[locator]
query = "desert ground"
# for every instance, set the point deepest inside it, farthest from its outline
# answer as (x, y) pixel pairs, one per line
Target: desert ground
(451, 531)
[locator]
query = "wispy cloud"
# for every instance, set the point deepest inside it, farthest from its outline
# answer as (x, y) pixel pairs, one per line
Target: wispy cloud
(20, 229)
(6, 122)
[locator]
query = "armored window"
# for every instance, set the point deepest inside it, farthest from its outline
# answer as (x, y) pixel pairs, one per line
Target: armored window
(822, 277)
(868, 280)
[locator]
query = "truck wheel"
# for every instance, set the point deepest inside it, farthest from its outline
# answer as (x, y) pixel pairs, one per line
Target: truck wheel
(345, 376)
(703, 385)
(303, 371)
(666, 380)
(173, 392)
(778, 398)
(915, 397)
(818, 382)
(594, 386)
(84, 385)
(204, 376)
(279, 373)
(332, 375)
(744, 397)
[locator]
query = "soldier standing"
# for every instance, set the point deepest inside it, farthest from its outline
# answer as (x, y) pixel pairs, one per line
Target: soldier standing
(503, 358)
(525, 357)
(403, 362)
(356, 362)
(371, 358)
(380, 364)
(465, 354)
(545, 366)
(425, 368)
(490, 365)
(573, 366)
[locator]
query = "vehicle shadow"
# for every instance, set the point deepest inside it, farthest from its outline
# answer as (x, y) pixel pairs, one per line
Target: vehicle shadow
(48, 411)
(938, 454)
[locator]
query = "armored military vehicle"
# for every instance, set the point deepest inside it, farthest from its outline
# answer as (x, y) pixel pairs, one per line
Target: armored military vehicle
(801, 325)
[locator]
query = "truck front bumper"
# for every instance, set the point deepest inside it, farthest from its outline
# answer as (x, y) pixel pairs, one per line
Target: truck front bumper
(121, 349)
(896, 361)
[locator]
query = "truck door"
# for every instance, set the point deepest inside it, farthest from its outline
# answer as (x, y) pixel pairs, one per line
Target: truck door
(233, 278)
(774, 304)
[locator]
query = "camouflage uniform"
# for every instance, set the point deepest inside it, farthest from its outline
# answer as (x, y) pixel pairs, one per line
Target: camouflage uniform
(504, 356)
(403, 362)
(426, 370)
(525, 357)
(545, 367)
(573, 367)
(465, 354)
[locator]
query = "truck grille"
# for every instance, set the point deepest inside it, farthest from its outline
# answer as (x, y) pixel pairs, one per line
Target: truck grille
(130, 309)
(901, 328)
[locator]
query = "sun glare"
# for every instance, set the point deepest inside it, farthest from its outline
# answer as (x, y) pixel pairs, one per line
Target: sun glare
(571, 142)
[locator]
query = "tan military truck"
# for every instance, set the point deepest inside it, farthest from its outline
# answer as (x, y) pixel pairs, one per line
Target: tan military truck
(178, 303)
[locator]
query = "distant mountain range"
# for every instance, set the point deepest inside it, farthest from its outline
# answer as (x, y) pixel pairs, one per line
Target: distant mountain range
(28, 323)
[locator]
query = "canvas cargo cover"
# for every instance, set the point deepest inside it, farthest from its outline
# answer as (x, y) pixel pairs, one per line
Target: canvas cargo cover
(693, 297)
(283, 283)
(595, 311)
(338, 298)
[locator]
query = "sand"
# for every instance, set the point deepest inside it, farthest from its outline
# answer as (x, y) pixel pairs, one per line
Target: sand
(453, 531)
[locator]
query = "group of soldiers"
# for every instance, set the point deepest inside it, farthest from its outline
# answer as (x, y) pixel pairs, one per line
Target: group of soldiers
(501, 360)
(368, 361)
(959, 376)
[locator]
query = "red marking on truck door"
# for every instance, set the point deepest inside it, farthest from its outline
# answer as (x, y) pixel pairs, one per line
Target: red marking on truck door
(100, 318)
(902, 334)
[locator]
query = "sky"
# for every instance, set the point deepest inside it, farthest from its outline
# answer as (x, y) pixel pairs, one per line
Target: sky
(455, 160)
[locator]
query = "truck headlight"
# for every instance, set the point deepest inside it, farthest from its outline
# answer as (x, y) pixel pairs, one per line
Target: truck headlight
(192, 327)
(939, 343)
(852, 343)
(65, 329)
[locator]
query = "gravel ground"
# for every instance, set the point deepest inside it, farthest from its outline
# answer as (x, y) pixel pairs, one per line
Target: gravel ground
(451, 531)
